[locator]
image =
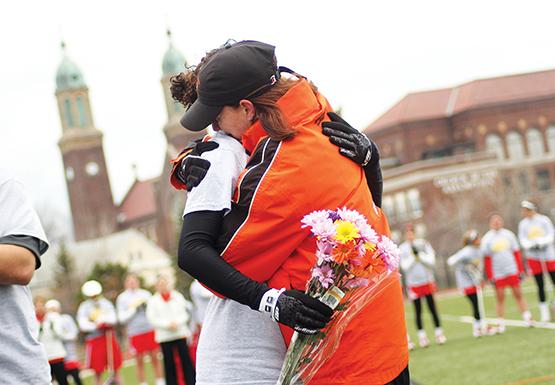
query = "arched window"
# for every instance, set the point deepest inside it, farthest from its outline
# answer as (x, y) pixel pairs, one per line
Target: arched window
(401, 206)
(388, 207)
(535, 143)
(413, 196)
(81, 112)
(67, 113)
(515, 146)
(494, 144)
(551, 139)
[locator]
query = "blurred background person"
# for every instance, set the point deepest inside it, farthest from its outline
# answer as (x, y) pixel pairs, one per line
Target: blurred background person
(169, 313)
(22, 242)
(96, 317)
(40, 311)
(51, 336)
(200, 296)
(417, 264)
(535, 233)
(69, 339)
(131, 308)
(468, 275)
(503, 266)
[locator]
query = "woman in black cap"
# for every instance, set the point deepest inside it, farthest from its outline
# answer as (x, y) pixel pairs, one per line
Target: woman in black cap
(252, 250)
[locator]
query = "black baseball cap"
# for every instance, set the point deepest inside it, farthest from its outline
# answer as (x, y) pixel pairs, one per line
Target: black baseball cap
(235, 72)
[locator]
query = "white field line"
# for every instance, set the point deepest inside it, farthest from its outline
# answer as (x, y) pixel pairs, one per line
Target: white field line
(508, 322)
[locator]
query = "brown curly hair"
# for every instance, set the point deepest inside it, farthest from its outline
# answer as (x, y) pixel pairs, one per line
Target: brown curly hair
(183, 88)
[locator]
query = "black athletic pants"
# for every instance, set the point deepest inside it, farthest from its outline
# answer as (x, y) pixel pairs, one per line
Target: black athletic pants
(74, 373)
(401, 379)
(473, 298)
(171, 350)
(58, 372)
(541, 287)
(418, 311)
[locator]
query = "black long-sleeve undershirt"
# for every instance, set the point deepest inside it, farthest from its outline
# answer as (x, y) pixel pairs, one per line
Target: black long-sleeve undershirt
(373, 174)
(198, 257)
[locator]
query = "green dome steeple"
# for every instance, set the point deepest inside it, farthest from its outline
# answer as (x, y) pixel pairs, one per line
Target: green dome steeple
(68, 75)
(174, 61)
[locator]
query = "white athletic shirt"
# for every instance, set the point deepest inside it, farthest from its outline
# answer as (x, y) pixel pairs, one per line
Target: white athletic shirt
(466, 263)
(237, 345)
(131, 308)
(500, 245)
(419, 272)
(216, 189)
(200, 296)
(22, 357)
(92, 313)
(536, 237)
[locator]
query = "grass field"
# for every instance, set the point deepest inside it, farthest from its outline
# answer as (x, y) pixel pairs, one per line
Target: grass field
(521, 356)
(518, 357)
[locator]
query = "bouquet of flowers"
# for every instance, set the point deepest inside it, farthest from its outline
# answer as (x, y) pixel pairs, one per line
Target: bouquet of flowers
(354, 264)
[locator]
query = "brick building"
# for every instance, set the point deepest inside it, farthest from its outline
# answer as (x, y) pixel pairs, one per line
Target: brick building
(452, 156)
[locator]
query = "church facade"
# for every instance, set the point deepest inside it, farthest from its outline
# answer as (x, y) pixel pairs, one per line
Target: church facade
(150, 206)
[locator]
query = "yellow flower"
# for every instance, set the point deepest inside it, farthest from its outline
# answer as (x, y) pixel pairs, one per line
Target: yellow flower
(345, 231)
(369, 246)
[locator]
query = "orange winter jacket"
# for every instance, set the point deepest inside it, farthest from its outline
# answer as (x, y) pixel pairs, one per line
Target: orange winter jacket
(262, 235)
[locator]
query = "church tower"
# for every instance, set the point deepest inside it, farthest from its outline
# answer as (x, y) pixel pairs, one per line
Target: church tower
(88, 185)
(176, 136)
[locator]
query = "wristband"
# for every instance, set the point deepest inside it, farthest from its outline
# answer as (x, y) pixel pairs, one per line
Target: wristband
(269, 302)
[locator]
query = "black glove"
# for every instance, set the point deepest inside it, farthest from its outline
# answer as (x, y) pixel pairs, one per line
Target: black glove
(193, 169)
(352, 143)
(297, 310)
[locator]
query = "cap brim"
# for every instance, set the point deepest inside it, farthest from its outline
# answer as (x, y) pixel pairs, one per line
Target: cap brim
(199, 116)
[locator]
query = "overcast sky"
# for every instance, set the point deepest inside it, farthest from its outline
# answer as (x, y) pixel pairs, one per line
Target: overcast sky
(363, 55)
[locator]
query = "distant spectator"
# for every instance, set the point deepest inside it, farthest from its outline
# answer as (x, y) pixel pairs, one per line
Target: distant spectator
(503, 266)
(51, 336)
(96, 317)
(468, 275)
(131, 307)
(169, 313)
(200, 296)
(535, 232)
(418, 260)
(72, 364)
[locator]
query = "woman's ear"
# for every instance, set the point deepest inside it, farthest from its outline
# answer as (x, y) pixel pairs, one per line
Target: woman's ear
(249, 109)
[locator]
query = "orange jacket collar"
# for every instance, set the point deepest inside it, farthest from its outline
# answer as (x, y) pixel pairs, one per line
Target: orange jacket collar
(299, 105)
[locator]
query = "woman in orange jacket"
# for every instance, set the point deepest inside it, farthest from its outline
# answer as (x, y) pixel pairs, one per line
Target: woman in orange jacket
(292, 170)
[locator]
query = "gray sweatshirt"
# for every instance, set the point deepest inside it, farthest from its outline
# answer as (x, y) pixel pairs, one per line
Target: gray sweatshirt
(536, 237)
(466, 264)
(500, 246)
(419, 271)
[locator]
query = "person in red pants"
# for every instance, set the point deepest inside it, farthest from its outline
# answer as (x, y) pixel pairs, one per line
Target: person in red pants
(504, 268)
(96, 317)
(535, 233)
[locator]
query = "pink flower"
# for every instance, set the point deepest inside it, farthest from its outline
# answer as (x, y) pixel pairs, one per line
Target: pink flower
(309, 220)
(389, 252)
(356, 282)
(352, 216)
(325, 246)
(324, 230)
(368, 233)
(323, 257)
(324, 274)
(320, 224)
